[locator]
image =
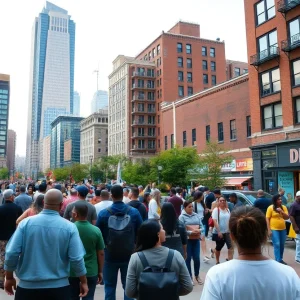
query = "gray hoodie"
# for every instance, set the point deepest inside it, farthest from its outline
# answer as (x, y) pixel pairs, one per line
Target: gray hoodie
(193, 219)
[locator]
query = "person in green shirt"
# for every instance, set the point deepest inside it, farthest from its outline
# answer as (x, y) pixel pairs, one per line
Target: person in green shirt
(93, 243)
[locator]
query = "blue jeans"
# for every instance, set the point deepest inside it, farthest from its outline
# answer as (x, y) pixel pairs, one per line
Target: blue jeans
(110, 275)
(193, 251)
(75, 288)
(278, 240)
(297, 255)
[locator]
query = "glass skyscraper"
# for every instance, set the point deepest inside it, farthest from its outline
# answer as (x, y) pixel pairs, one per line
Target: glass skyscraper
(76, 104)
(100, 101)
(51, 79)
(65, 141)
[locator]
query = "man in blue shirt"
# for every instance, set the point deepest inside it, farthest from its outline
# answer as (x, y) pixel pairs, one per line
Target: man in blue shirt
(41, 251)
(23, 200)
(262, 202)
(112, 265)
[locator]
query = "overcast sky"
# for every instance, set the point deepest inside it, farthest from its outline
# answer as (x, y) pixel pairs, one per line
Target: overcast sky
(105, 29)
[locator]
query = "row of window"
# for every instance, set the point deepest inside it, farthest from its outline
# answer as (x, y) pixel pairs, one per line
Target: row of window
(181, 91)
(141, 144)
(237, 71)
(233, 133)
(4, 92)
(154, 52)
(264, 11)
(189, 76)
(188, 50)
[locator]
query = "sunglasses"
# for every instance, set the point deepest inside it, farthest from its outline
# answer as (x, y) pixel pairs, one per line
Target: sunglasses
(222, 200)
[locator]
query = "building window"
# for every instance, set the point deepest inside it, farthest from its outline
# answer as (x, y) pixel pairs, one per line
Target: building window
(158, 49)
(179, 47)
(267, 45)
(184, 139)
(296, 72)
(188, 48)
(237, 72)
(213, 79)
(294, 31)
(190, 91)
(270, 82)
(207, 133)
(213, 66)
(180, 76)
(205, 78)
(172, 140)
(166, 143)
(212, 52)
(204, 51)
(265, 10)
(193, 137)
(204, 64)
(189, 63)
(189, 77)
(272, 116)
(245, 71)
(297, 110)
(180, 62)
(180, 91)
(220, 132)
(248, 125)
(232, 129)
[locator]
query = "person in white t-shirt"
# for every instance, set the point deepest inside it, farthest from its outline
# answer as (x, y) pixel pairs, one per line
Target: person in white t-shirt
(252, 275)
(126, 199)
(104, 203)
(154, 205)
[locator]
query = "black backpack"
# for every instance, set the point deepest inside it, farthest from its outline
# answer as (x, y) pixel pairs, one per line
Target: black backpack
(158, 283)
(121, 239)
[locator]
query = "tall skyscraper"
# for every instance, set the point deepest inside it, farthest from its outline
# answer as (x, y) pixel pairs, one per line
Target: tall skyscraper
(4, 110)
(76, 104)
(51, 79)
(11, 151)
(100, 101)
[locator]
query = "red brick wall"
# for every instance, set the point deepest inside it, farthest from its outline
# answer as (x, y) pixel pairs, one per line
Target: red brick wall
(223, 104)
(186, 29)
(231, 65)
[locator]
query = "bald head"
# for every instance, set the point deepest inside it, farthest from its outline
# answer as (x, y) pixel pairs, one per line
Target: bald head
(260, 193)
(53, 197)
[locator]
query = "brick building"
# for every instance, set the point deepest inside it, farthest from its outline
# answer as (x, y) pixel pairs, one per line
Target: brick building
(273, 41)
(178, 63)
(192, 121)
(235, 68)
(11, 151)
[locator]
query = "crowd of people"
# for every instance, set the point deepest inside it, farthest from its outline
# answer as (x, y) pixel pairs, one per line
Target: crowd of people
(62, 240)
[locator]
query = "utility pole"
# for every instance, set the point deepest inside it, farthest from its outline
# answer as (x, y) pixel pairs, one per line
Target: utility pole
(97, 71)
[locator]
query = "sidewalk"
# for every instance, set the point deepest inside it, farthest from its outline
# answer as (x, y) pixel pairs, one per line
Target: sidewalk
(289, 257)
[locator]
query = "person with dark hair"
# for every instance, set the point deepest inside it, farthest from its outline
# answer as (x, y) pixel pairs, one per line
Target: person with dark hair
(113, 260)
(176, 201)
(217, 194)
(235, 201)
(248, 229)
(23, 200)
(82, 193)
(146, 200)
(276, 216)
(134, 202)
(151, 235)
(30, 191)
(176, 235)
(35, 209)
(262, 202)
(193, 225)
(200, 209)
(295, 219)
(42, 188)
(105, 201)
(93, 243)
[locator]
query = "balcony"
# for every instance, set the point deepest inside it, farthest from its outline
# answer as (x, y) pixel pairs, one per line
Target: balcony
(290, 44)
(143, 123)
(150, 87)
(286, 5)
(137, 111)
(143, 148)
(138, 98)
(266, 55)
(143, 74)
(137, 86)
(143, 136)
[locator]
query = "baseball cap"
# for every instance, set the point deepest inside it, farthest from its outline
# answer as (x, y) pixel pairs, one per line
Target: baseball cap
(82, 189)
(298, 194)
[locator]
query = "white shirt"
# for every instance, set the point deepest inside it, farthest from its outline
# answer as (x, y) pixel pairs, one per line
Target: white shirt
(102, 205)
(152, 212)
(126, 200)
(223, 219)
(251, 280)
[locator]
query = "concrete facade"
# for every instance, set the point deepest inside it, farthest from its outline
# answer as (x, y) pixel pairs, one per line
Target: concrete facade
(11, 151)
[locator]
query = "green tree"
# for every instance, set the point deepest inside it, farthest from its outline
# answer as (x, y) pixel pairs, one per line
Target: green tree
(109, 165)
(61, 174)
(97, 173)
(79, 171)
(138, 172)
(175, 163)
(212, 158)
(4, 173)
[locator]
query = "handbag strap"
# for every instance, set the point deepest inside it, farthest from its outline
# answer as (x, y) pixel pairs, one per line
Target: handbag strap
(143, 259)
(169, 259)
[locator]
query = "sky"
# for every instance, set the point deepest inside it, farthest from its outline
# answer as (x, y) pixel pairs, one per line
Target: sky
(105, 29)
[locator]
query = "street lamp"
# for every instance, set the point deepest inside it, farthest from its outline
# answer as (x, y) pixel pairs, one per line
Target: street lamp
(91, 160)
(159, 169)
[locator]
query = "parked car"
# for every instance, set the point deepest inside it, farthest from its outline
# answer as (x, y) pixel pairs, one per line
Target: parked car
(246, 197)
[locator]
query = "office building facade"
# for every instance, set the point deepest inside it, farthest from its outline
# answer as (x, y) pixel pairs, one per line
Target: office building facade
(51, 79)
(65, 141)
(76, 104)
(11, 151)
(99, 101)
(94, 137)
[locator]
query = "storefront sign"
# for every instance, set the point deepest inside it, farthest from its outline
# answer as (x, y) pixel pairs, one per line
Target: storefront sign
(286, 182)
(238, 165)
(288, 155)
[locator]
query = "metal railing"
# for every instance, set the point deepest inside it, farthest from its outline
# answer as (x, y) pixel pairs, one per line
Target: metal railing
(284, 6)
(265, 55)
(142, 74)
(292, 43)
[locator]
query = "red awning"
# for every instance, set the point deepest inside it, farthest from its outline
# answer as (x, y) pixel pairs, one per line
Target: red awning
(233, 181)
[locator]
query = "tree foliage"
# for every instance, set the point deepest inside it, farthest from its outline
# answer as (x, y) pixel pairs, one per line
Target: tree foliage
(212, 158)
(61, 174)
(4, 173)
(79, 171)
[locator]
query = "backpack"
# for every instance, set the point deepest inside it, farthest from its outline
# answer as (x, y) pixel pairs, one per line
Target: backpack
(158, 283)
(121, 239)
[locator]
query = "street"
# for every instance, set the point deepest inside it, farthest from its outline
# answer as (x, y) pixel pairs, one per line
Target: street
(289, 258)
